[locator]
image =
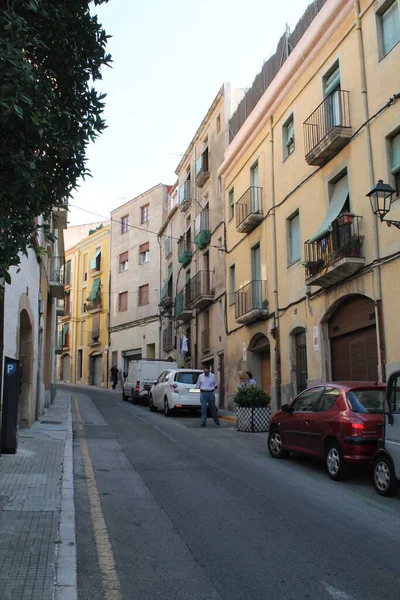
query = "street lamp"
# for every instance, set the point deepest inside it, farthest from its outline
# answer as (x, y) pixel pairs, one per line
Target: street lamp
(380, 198)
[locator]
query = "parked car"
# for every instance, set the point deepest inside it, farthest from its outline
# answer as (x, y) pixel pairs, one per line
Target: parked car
(386, 461)
(140, 378)
(338, 422)
(176, 390)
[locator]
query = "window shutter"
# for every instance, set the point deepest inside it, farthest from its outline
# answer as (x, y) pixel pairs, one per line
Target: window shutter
(123, 257)
(396, 154)
(96, 323)
(68, 279)
(144, 247)
(332, 82)
(391, 27)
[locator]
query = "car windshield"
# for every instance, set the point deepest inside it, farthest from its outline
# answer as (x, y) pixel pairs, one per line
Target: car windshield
(366, 401)
(188, 378)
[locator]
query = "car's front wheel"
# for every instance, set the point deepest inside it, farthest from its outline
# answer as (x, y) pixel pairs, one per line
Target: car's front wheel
(167, 410)
(337, 468)
(275, 445)
(385, 481)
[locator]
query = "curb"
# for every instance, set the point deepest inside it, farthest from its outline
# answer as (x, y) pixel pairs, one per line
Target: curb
(66, 564)
(226, 418)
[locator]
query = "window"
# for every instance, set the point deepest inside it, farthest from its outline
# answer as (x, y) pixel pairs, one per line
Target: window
(144, 214)
(123, 262)
(396, 162)
(328, 399)
(288, 137)
(123, 301)
(143, 294)
(231, 203)
(390, 26)
(144, 253)
(218, 123)
(367, 401)
(294, 249)
(84, 267)
(124, 224)
(95, 263)
(232, 284)
(333, 110)
(68, 273)
(308, 400)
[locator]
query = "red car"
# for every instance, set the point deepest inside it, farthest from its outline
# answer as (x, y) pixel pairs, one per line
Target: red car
(339, 422)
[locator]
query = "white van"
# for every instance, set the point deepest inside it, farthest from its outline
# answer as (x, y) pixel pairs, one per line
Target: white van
(141, 376)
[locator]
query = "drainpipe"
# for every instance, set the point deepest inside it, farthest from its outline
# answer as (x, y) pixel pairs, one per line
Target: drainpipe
(371, 178)
(277, 371)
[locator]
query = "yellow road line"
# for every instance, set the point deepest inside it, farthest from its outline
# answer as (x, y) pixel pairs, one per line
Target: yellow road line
(231, 419)
(105, 556)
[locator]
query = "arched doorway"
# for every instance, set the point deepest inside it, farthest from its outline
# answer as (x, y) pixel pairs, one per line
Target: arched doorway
(352, 336)
(65, 374)
(26, 409)
(96, 369)
(259, 361)
(299, 359)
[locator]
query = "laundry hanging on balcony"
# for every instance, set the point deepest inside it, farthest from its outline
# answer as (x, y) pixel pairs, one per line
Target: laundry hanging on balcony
(339, 197)
(184, 345)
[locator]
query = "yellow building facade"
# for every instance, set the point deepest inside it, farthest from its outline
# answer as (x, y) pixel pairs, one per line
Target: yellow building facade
(83, 330)
(312, 276)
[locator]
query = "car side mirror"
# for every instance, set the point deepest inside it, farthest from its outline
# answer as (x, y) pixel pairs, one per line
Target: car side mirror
(155, 382)
(285, 407)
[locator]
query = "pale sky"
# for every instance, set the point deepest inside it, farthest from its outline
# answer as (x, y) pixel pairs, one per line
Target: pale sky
(170, 59)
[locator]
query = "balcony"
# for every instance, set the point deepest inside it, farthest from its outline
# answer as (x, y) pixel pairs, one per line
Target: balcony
(248, 210)
(185, 196)
(95, 264)
(166, 302)
(184, 251)
(62, 341)
(94, 337)
(202, 230)
(56, 276)
(251, 302)
(182, 311)
(168, 344)
(336, 255)
(94, 306)
(167, 247)
(328, 129)
(60, 308)
(205, 341)
(202, 169)
(60, 216)
(201, 292)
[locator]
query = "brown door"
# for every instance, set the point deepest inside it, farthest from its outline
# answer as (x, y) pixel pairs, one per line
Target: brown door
(221, 388)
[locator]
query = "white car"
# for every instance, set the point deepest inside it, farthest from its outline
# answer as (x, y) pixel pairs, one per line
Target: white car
(176, 389)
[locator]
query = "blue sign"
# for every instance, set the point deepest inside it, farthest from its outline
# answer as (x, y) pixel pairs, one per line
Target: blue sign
(11, 369)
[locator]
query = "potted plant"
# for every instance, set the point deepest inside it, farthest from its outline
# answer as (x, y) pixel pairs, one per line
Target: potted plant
(356, 243)
(253, 409)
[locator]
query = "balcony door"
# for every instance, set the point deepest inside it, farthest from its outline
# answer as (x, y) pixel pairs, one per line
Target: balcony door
(255, 192)
(256, 299)
(332, 93)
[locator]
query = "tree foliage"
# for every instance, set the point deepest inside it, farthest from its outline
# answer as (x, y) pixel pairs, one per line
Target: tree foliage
(51, 53)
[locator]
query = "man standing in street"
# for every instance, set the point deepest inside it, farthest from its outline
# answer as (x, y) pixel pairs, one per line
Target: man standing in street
(114, 375)
(207, 385)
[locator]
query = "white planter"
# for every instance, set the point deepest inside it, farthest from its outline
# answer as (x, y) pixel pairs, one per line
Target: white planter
(253, 420)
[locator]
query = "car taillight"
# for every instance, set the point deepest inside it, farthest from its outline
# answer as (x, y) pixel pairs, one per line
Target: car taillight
(138, 386)
(357, 426)
(174, 387)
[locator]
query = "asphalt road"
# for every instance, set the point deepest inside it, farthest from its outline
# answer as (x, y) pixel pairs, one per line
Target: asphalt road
(204, 514)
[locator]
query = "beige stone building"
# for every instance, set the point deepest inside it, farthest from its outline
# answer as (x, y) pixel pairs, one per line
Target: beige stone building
(135, 277)
(312, 275)
(193, 300)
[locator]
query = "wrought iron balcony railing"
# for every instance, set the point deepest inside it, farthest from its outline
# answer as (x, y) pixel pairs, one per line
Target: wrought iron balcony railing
(202, 230)
(94, 305)
(328, 129)
(201, 290)
(185, 195)
(182, 310)
(248, 209)
(94, 337)
(202, 168)
(185, 251)
(336, 255)
(251, 301)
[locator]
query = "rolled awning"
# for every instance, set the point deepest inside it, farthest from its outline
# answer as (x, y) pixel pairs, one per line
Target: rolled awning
(95, 289)
(169, 273)
(339, 197)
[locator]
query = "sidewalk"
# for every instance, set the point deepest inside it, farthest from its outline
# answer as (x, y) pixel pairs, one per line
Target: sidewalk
(35, 484)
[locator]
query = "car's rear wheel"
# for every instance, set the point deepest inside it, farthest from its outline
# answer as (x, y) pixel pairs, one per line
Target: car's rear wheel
(167, 410)
(337, 468)
(275, 445)
(385, 481)
(151, 405)
(133, 397)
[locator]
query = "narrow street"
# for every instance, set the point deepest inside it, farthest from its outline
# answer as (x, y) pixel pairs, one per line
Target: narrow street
(204, 514)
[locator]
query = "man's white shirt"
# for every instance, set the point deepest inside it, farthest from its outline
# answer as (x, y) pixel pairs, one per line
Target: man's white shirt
(207, 384)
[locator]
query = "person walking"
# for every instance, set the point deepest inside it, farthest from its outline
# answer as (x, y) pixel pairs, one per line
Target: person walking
(207, 384)
(114, 375)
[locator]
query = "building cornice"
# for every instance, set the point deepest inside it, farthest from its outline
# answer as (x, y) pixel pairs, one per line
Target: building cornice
(314, 39)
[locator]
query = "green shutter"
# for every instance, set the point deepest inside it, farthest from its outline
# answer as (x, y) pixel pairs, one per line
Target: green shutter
(169, 273)
(339, 197)
(164, 291)
(95, 289)
(63, 335)
(68, 278)
(396, 154)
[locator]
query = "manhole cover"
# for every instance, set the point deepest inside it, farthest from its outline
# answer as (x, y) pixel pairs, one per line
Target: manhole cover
(51, 422)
